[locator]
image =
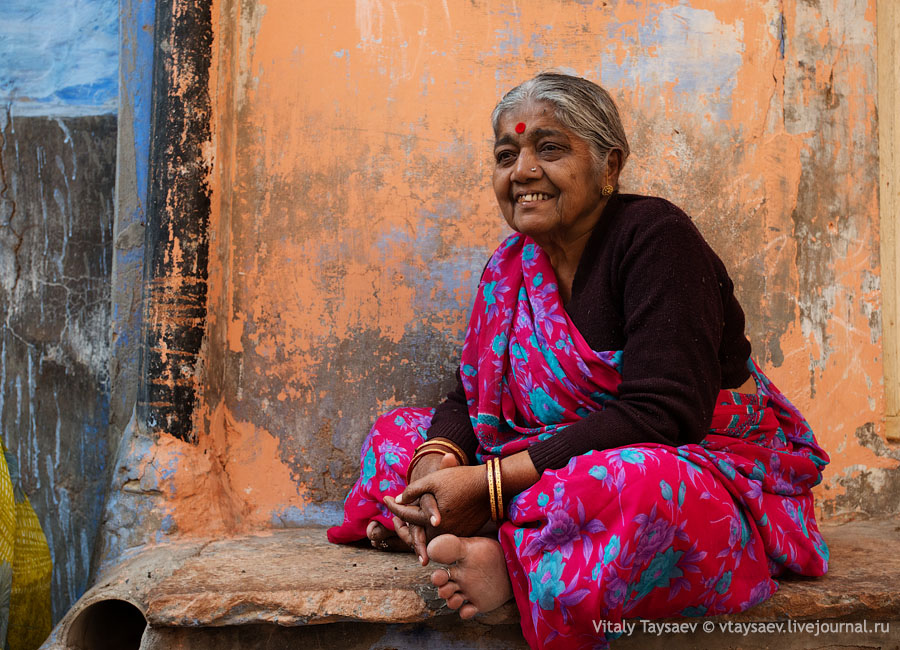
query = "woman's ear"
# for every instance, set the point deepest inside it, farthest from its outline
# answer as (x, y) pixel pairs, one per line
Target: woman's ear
(613, 166)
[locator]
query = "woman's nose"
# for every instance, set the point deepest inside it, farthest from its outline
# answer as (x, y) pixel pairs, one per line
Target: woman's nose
(526, 168)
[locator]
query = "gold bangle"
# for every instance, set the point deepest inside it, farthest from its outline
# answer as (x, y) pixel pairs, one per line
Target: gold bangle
(435, 447)
(420, 453)
(498, 486)
(443, 447)
(455, 449)
(490, 479)
(415, 460)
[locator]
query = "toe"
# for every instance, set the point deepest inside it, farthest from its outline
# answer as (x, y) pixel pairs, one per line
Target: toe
(468, 611)
(377, 532)
(446, 549)
(448, 590)
(439, 578)
(384, 539)
(456, 601)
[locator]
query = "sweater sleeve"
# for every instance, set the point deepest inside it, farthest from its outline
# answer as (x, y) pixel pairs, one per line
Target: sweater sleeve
(451, 421)
(665, 273)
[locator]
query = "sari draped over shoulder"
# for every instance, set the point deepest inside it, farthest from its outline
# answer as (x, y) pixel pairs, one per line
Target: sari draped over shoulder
(647, 530)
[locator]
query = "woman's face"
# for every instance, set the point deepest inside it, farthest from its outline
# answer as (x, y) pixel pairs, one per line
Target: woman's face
(560, 200)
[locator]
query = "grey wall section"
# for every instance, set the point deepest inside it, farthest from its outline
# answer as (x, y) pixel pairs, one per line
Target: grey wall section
(56, 213)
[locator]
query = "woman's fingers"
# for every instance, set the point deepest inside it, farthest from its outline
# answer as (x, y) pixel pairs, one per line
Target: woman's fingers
(414, 490)
(429, 506)
(414, 537)
(419, 543)
(402, 529)
(411, 514)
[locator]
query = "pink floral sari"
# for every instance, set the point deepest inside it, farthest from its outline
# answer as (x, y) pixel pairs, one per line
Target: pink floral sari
(644, 531)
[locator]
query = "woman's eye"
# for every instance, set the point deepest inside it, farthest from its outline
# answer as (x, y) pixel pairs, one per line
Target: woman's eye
(505, 156)
(550, 148)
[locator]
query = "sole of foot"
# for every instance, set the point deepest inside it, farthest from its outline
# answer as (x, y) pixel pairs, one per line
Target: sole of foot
(478, 581)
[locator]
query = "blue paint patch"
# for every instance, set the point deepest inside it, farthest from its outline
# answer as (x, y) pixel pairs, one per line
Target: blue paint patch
(137, 28)
(92, 94)
(537, 47)
(508, 40)
(167, 524)
(781, 29)
(340, 54)
(59, 57)
(437, 286)
(681, 39)
(330, 513)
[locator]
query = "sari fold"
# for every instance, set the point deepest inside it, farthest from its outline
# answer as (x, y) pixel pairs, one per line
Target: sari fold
(646, 530)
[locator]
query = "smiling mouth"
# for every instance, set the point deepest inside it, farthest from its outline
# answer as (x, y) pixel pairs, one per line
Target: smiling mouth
(533, 197)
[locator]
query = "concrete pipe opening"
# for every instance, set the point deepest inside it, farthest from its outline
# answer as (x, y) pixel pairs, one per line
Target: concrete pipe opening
(107, 625)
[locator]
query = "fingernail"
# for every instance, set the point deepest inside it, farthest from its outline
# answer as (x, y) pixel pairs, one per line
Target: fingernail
(420, 559)
(399, 498)
(434, 520)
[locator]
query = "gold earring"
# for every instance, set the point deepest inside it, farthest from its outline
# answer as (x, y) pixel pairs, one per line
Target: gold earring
(607, 188)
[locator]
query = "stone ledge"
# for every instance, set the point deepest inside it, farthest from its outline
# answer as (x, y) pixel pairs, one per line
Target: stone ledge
(296, 578)
(291, 577)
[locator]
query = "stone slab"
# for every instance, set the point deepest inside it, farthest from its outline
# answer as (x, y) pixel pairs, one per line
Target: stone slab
(292, 577)
(295, 578)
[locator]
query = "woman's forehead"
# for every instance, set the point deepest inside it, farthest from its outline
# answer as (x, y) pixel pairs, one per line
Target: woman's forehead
(529, 124)
(528, 111)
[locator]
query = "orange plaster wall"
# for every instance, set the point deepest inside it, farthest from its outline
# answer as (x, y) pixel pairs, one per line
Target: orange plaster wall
(352, 213)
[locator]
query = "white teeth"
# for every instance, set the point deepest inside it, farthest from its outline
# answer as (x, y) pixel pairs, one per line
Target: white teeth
(533, 197)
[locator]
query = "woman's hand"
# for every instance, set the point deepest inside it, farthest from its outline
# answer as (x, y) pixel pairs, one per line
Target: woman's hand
(414, 535)
(452, 499)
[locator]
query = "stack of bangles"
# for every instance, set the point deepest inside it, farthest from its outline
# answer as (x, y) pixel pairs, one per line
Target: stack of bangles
(435, 447)
(495, 488)
(495, 482)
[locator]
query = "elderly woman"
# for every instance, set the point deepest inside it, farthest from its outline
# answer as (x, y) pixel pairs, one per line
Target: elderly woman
(608, 415)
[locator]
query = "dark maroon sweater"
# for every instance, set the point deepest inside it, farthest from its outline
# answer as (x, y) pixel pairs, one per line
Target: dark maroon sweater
(647, 284)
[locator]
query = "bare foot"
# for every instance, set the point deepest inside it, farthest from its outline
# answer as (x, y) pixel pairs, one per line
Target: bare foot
(480, 581)
(384, 539)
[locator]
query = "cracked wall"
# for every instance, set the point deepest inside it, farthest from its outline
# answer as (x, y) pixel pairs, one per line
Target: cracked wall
(352, 214)
(55, 236)
(58, 96)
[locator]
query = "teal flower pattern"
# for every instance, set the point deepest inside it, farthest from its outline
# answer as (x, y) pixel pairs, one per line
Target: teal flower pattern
(545, 580)
(640, 531)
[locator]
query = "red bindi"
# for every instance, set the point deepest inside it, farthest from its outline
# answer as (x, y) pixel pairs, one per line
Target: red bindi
(520, 127)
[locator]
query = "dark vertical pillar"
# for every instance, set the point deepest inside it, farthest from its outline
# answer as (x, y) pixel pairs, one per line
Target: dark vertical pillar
(176, 245)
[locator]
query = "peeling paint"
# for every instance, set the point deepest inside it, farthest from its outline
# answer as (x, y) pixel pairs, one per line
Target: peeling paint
(351, 215)
(56, 212)
(59, 58)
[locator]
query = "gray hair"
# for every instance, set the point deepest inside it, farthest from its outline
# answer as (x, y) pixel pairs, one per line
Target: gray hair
(581, 106)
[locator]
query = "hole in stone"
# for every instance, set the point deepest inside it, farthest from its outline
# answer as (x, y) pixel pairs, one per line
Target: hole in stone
(107, 625)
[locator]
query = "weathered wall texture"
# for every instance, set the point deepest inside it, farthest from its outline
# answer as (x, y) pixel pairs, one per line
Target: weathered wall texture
(56, 211)
(352, 214)
(57, 173)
